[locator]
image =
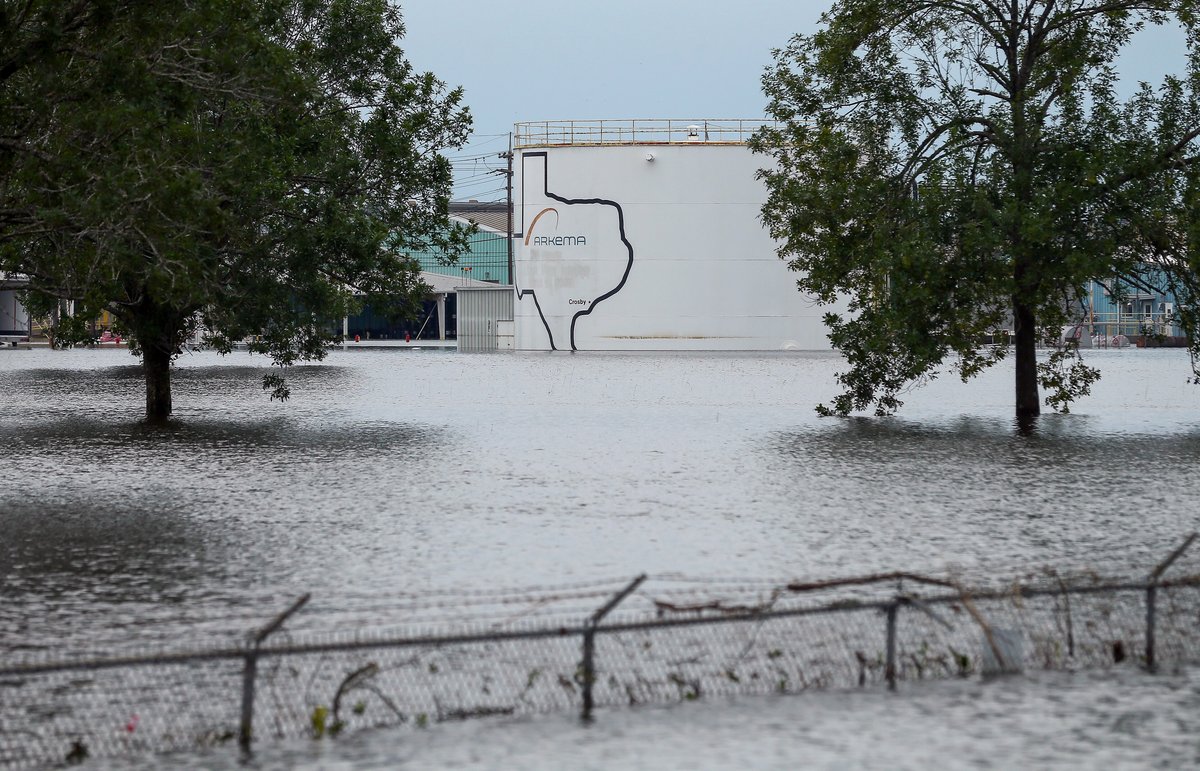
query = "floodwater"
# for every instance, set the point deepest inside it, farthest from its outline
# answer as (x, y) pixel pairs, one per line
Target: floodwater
(422, 470)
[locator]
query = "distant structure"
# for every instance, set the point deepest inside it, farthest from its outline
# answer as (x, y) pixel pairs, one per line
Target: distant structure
(486, 258)
(483, 266)
(15, 324)
(1144, 313)
(646, 235)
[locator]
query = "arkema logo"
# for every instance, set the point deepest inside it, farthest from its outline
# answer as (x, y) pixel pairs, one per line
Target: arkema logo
(551, 240)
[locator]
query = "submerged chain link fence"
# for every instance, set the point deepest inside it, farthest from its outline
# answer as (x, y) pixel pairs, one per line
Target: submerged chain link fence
(650, 641)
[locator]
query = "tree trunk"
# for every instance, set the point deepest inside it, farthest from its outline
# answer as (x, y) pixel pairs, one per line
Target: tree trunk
(156, 364)
(1025, 328)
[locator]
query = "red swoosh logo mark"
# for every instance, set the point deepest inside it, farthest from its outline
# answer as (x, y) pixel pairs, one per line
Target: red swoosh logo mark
(532, 225)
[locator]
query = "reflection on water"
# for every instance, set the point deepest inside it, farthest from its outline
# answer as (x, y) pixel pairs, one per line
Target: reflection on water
(968, 490)
(423, 470)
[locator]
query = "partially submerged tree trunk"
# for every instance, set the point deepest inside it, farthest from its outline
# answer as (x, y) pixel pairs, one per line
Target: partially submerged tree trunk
(156, 365)
(158, 329)
(1025, 329)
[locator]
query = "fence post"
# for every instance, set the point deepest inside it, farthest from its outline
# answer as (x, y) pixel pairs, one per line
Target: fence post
(1152, 599)
(889, 670)
(587, 667)
(246, 725)
(250, 673)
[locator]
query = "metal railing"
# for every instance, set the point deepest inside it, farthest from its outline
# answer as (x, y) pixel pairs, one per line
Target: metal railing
(650, 640)
(552, 133)
(1104, 327)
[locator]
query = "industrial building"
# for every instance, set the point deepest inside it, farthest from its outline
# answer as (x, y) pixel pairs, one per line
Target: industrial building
(1143, 312)
(485, 264)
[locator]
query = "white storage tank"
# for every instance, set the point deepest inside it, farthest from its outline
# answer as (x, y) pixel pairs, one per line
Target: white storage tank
(646, 235)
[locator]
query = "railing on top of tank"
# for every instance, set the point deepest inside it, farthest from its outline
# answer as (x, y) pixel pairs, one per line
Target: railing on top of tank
(637, 131)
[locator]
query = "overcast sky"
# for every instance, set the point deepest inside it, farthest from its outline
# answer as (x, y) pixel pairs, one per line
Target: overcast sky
(579, 60)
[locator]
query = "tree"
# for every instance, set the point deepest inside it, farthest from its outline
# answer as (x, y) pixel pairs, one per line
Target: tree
(954, 166)
(243, 167)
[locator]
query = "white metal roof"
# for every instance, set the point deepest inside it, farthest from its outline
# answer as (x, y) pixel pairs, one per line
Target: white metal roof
(443, 284)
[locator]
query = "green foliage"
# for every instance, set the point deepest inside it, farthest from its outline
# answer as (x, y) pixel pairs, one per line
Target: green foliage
(962, 663)
(951, 169)
(318, 721)
(689, 690)
(1065, 377)
(321, 726)
(278, 387)
(249, 167)
(78, 753)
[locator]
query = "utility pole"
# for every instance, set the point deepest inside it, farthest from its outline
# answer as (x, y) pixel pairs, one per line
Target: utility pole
(509, 210)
